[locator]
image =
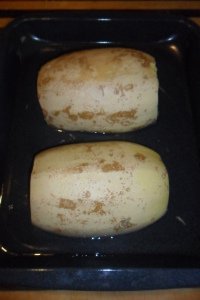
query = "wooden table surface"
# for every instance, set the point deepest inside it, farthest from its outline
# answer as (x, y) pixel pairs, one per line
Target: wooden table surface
(8, 11)
(183, 294)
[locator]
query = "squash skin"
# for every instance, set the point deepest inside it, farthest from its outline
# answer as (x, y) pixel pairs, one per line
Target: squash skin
(98, 189)
(99, 90)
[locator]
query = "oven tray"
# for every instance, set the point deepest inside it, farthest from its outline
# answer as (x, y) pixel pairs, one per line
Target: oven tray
(163, 255)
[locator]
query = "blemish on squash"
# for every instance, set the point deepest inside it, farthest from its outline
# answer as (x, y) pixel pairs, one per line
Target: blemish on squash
(83, 222)
(56, 113)
(78, 169)
(145, 77)
(98, 208)
(71, 116)
(67, 204)
(84, 164)
(124, 224)
(113, 220)
(88, 148)
(140, 156)
(74, 170)
(83, 61)
(121, 116)
(145, 59)
(86, 115)
(164, 174)
(128, 87)
(61, 217)
(120, 89)
(101, 87)
(114, 166)
(45, 80)
(87, 194)
(102, 161)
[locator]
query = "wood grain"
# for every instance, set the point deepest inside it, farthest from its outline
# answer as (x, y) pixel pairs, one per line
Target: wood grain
(184, 294)
(97, 4)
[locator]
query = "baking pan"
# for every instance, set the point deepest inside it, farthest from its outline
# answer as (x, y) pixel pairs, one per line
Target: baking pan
(165, 254)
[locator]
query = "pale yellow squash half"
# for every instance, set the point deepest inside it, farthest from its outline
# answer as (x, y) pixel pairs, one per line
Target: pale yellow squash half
(97, 189)
(102, 90)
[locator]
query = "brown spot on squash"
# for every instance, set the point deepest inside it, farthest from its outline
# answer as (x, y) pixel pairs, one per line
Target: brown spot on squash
(88, 148)
(82, 60)
(71, 116)
(45, 80)
(128, 87)
(61, 217)
(86, 65)
(114, 166)
(74, 170)
(164, 175)
(102, 161)
(144, 58)
(140, 156)
(119, 90)
(121, 116)
(98, 208)
(124, 223)
(145, 77)
(83, 222)
(86, 194)
(111, 196)
(113, 220)
(101, 87)
(84, 164)
(67, 204)
(86, 115)
(56, 113)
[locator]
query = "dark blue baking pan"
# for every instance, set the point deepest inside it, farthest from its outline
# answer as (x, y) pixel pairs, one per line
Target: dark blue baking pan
(163, 255)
